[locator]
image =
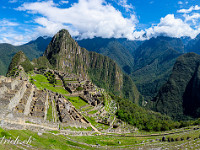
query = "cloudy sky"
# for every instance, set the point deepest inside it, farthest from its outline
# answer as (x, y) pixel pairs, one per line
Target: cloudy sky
(25, 20)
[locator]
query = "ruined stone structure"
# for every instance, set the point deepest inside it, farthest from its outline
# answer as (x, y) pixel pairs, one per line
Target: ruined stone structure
(23, 102)
(83, 88)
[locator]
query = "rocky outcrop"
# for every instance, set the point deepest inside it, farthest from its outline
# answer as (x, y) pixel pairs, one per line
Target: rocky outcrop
(180, 95)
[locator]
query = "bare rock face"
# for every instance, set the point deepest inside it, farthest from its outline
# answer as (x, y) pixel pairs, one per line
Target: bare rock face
(65, 55)
(180, 95)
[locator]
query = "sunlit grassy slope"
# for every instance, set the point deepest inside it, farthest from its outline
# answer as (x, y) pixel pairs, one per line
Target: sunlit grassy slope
(41, 82)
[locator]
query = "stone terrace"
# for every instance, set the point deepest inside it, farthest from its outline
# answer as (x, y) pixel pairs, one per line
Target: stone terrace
(23, 102)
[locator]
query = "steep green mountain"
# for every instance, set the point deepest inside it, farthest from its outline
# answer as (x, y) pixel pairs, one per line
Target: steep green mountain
(153, 62)
(119, 50)
(66, 55)
(180, 95)
(41, 62)
(19, 59)
(32, 50)
(149, 63)
(194, 45)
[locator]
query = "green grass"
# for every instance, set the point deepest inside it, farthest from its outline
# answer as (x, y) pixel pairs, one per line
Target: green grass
(87, 108)
(54, 131)
(91, 120)
(41, 83)
(49, 112)
(29, 122)
(77, 129)
(61, 142)
(59, 82)
(107, 140)
(96, 124)
(77, 102)
(46, 140)
(107, 100)
(93, 112)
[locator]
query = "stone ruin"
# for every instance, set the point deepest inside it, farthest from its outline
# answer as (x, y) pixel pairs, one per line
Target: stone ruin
(77, 86)
(66, 111)
(80, 87)
(20, 100)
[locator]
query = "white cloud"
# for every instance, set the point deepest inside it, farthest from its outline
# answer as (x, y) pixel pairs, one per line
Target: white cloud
(171, 26)
(194, 18)
(4, 40)
(124, 4)
(10, 34)
(49, 28)
(13, 38)
(5, 22)
(88, 18)
(192, 8)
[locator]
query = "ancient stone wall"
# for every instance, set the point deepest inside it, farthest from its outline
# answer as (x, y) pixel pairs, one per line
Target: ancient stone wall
(19, 94)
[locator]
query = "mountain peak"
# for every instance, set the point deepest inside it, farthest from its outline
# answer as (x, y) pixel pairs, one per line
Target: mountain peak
(65, 55)
(64, 31)
(63, 34)
(62, 47)
(19, 59)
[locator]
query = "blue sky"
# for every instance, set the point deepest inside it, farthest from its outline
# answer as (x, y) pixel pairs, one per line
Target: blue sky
(25, 20)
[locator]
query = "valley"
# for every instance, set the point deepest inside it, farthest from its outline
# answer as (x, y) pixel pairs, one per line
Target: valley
(99, 75)
(71, 98)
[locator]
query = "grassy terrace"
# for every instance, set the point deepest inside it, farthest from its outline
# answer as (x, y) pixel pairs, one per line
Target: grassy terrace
(54, 140)
(49, 112)
(45, 141)
(77, 102)
(41, 83)
(78, 129)
(93, 112)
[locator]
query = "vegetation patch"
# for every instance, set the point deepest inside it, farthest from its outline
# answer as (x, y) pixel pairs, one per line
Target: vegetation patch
(93, 112)
(50, 77)
(49, 112)
(42, 82)
(77, 102)
(78, 129)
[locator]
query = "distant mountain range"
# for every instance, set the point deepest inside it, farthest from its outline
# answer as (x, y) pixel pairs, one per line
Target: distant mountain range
(33, 49)
(149, 63)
